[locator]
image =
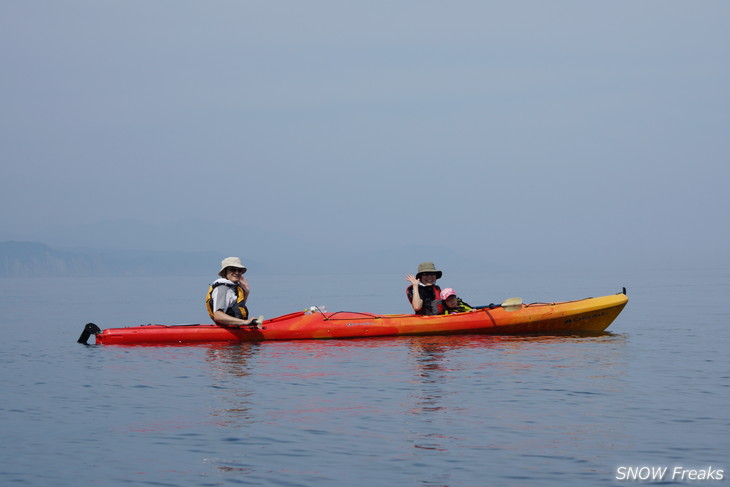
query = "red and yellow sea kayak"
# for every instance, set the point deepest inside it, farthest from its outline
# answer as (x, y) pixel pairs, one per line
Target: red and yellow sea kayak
(584, 315)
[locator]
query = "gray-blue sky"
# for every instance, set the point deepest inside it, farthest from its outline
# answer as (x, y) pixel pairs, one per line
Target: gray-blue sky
(524, 129)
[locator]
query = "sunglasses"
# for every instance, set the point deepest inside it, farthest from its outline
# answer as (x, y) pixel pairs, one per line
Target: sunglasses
(235, 270)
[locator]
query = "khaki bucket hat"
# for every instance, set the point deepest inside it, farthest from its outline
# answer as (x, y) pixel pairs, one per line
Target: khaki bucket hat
(428, 267)
(231, 262)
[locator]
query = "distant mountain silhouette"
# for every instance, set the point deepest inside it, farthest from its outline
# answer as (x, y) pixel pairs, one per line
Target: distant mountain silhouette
(193, 247)
(33, 259)
(27, 259)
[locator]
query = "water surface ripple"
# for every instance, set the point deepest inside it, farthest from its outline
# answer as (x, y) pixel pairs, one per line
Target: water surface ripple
(413, 411)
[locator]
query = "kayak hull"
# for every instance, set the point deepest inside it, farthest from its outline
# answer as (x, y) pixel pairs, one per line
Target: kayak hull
(585, 315)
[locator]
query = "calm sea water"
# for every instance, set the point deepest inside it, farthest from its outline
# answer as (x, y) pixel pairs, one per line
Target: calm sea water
(455, 411)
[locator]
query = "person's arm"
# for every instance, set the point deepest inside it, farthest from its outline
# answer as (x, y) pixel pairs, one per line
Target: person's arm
(223, 319)
(246, 289)
(416, 300)
(220, 316)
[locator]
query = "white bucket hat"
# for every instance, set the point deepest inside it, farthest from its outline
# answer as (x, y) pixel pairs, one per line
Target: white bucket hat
(231, 262)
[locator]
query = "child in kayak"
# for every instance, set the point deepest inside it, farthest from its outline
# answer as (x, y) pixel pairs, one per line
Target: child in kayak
(453, 303)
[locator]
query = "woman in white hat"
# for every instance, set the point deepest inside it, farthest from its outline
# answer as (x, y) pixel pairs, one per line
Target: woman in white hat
(423, 293)
(227, 296)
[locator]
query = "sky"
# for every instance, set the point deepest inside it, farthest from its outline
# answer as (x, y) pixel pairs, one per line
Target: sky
(524, 131)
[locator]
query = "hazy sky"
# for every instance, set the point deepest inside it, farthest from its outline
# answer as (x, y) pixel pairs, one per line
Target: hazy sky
(516, 129)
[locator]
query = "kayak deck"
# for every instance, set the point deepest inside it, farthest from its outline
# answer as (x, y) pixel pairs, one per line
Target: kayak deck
(584, 315)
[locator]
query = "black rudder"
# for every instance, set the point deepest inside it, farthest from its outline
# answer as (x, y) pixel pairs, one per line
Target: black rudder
(89, 329)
